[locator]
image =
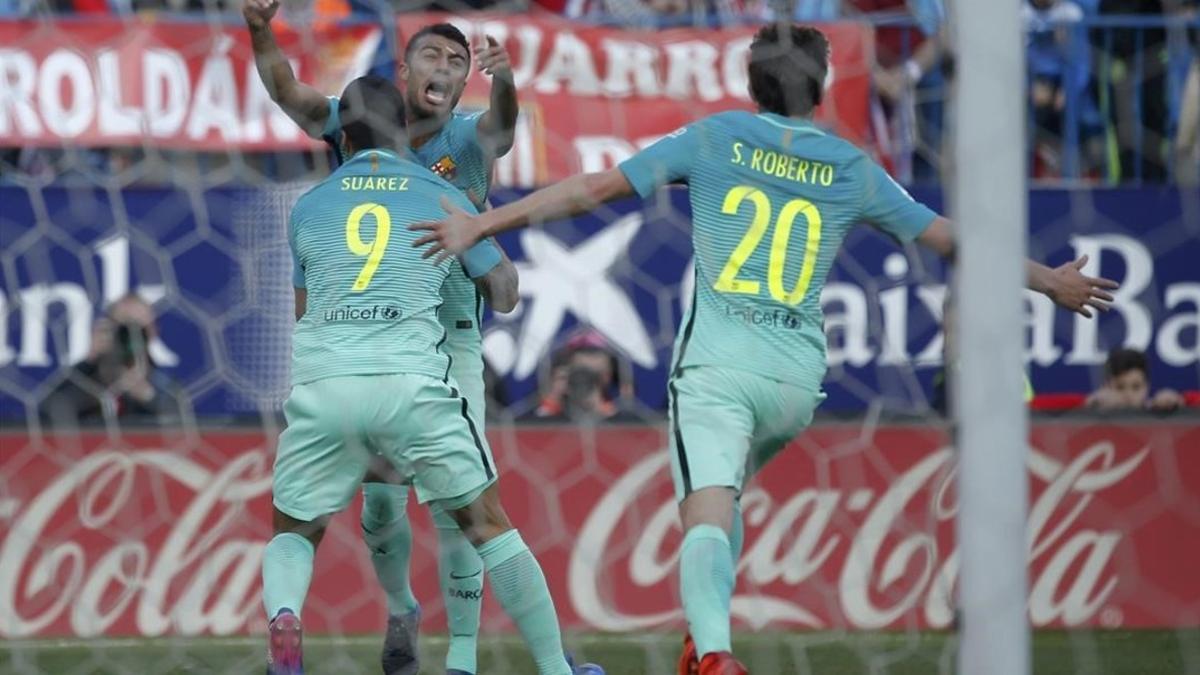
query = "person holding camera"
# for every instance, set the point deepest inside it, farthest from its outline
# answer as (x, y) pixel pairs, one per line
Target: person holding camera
(118, 379)
(584, 383)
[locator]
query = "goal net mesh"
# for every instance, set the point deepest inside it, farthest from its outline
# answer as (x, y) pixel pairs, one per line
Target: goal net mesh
(140, 156)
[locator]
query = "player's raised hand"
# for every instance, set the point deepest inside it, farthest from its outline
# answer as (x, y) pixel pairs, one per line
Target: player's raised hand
(492, 58)
(452, 235)
(258, 13)
(1070, 288)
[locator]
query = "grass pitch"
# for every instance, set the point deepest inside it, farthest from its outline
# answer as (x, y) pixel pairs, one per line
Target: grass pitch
(1055, 653)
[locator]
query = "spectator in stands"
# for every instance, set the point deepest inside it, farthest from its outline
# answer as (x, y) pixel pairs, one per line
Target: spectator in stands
(118, 378)
(584, 383)
(815, 11)
(1187, 138)
(1127, 386)
(1133, 74)
(655, 13)
(15, 9)
(1058, 65)
(909, 83)
(462, 5)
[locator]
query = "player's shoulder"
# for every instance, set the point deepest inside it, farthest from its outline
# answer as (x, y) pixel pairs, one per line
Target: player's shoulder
(461, 118)
(314, 195)
(823, 141)
(722, 123)
(706, 128)
(731, 118)
(463, 125)
(845, 150)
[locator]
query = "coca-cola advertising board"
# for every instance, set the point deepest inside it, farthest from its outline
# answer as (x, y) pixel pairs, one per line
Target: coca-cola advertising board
(590, 95)
(851, 528)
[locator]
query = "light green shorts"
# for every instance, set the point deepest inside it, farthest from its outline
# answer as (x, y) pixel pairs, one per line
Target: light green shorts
(381, 469)
(726, 424)
(338, 424)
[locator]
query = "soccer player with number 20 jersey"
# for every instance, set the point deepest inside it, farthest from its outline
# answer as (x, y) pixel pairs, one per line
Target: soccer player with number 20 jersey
(772, 196)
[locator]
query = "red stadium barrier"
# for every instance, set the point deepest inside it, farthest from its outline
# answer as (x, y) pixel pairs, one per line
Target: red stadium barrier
(152, 534)
(591, 95)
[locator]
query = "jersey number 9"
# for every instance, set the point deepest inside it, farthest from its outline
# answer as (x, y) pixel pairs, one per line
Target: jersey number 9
(728, 281)
(373, 249)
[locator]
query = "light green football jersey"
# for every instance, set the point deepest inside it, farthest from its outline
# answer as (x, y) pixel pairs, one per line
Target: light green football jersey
(461, 315)
(372, 301)
(454, 154)
(772, 199)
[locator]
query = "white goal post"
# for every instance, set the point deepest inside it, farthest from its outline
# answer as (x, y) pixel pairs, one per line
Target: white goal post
(988, 203)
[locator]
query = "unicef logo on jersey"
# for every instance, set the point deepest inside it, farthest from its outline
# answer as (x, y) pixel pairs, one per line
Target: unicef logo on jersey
(758, 318)
(373, 313)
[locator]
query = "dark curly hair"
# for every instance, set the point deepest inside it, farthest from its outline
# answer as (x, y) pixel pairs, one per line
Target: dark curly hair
(372, 113)
(788, 65)
(446, 30)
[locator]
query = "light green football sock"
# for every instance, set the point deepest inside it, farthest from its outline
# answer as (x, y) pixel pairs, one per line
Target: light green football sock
(461, 571)
(389, 539)
(287, 571)
(737, 535)
(706, 581)
(519, 585)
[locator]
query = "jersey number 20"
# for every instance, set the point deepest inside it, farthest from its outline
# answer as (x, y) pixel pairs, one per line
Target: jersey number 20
(373, 249)
(729, 282)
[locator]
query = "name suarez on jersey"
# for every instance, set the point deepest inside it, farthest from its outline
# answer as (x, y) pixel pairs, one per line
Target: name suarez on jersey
(390, 183)
(780, 165)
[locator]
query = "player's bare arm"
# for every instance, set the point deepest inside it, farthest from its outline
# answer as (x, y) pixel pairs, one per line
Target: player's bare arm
(304, 104)
(501, 285)
(496, 126)
(571, 197)
(301, 302)
(1066, 284)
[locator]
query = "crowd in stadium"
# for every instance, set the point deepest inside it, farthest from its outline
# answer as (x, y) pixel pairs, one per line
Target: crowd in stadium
(1114, 85)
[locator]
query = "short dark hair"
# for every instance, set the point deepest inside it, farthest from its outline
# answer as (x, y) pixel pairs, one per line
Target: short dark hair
(446, 30)
(1121, 361)
(372, 114)
(788, 65)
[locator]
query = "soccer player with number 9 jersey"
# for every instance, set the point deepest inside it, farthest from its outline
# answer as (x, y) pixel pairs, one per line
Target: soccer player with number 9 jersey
(772, 197)
(370, 379)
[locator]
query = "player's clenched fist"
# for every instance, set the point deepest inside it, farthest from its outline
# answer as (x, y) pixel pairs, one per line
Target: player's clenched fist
(492, 59)
(258, 13)
(452, 235)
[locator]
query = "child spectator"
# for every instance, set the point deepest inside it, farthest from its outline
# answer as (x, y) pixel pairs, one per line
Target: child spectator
(1127, 386)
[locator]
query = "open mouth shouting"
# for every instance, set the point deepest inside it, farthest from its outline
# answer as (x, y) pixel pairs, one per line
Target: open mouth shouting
(437, 94)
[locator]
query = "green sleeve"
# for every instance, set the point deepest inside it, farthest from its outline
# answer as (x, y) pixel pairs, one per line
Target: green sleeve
(889, 206)
(668, 160)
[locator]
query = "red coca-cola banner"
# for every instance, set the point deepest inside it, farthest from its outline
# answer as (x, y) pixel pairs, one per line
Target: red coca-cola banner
(152, 534)
(590, 95)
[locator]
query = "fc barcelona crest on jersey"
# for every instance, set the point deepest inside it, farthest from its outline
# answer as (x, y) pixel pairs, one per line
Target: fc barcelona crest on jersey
(445, 167)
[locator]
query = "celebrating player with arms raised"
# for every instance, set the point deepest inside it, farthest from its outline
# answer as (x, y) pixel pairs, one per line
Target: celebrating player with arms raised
(369, 379)
(772, 197)
(461, 149)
